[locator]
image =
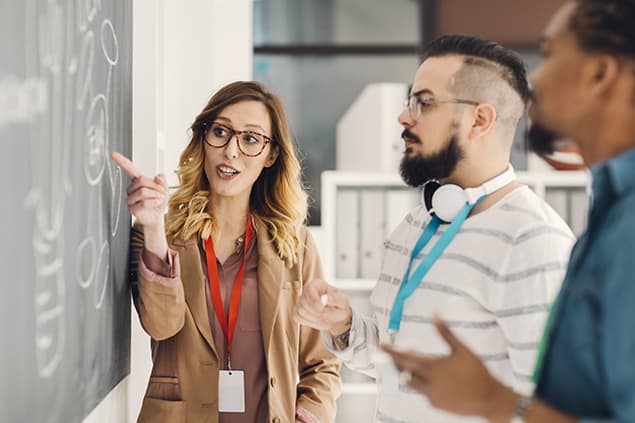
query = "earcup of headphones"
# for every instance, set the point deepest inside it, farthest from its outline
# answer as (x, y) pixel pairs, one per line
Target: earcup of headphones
(447, 201)
(427, 192)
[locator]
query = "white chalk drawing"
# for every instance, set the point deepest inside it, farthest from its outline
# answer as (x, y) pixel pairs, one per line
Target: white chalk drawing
(86, 57)
(66, 104)
(116, 184)
(110, 48)
(49, 304)
(92, 8)
(101, 274)
(95, 147)
(109, 44)
(21, 100)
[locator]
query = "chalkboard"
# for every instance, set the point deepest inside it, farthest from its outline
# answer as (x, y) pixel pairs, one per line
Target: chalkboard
(65, 104)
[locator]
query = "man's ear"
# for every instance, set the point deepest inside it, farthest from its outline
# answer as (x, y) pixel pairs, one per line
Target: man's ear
(600, 74)
(484, 119)
(273, 156)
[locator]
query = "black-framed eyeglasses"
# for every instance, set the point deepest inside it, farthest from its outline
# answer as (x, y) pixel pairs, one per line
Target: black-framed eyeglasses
(250, 143)
(416, 103)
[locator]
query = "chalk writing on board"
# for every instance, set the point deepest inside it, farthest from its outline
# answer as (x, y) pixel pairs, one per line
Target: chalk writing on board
(71, 43)
(21, 100)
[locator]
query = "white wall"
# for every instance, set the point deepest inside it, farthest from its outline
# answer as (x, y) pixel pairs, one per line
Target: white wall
(205, 44)
(182, 52)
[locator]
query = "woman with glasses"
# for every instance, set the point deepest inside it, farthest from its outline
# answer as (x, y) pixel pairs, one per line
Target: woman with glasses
(217, 280)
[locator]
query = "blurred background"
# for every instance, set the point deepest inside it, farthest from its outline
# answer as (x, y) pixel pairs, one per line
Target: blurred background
(342, 69)
(318, 55)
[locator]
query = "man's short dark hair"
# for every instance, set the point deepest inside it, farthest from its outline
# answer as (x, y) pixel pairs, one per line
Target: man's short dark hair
(605, 26)
(508, 64)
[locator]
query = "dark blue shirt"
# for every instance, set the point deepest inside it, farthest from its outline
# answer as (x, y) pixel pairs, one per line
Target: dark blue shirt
(589, 364)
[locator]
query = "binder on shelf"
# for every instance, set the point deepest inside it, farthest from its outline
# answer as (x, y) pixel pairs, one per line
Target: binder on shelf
(347, 234)
(372, 232)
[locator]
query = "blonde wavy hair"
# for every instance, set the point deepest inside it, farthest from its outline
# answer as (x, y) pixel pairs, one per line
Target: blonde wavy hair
(278, 199)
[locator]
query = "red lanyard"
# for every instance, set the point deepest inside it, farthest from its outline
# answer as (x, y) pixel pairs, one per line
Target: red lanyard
(214, 289)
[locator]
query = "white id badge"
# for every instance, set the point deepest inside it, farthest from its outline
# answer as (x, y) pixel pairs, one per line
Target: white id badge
(231, 391)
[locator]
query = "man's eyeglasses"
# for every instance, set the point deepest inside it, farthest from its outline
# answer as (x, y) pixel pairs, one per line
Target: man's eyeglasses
(415, 104)
(250, 143)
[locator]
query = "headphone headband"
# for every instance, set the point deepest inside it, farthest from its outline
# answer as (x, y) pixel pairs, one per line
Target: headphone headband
(490, 186)
(445, 201)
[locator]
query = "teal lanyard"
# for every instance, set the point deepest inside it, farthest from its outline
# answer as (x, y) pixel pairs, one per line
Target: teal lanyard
(410, 283)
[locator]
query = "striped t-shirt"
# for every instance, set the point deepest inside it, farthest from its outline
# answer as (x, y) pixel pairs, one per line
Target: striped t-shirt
(493, 286)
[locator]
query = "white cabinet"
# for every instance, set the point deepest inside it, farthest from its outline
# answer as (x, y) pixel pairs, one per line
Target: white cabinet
(368, 135)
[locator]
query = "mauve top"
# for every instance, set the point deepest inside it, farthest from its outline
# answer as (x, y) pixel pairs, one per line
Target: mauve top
(248, 352)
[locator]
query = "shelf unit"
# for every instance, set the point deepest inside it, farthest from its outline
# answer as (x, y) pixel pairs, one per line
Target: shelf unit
(334, 181)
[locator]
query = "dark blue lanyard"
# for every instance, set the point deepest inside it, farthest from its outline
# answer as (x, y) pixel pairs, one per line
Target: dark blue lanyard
(410, 283)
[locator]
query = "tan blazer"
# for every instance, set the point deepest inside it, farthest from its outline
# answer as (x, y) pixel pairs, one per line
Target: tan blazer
(184, 380)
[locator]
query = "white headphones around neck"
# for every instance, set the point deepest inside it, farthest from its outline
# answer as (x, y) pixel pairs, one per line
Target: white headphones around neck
(445, 201)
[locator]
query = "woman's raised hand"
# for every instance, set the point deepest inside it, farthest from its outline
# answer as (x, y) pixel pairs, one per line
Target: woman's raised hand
(147, 197)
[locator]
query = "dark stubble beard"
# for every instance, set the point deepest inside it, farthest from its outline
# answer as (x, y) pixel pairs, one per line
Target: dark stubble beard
(418, 169)
(541, 140)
